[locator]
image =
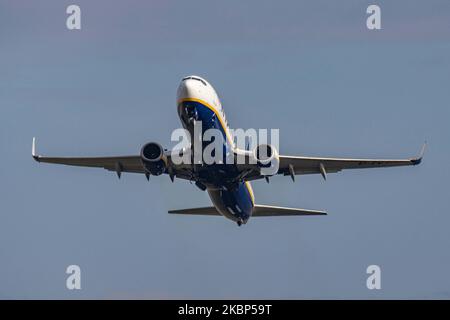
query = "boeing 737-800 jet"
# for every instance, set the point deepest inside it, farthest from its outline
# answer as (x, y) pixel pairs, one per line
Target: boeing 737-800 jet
(228, 185)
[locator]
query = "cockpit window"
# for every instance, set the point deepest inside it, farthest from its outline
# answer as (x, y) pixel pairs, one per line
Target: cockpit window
(195, 78)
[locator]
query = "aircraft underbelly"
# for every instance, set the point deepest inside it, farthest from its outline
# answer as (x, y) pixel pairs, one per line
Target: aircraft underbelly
(233, 204)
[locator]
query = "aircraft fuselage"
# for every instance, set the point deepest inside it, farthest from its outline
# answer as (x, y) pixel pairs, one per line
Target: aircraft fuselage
(198, 101)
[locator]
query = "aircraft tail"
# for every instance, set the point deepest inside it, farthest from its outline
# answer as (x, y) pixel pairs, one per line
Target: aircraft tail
(258, 211)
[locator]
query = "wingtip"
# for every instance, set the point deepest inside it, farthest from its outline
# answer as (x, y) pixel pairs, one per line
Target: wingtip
(33, 150)
(418, 160)
(422, 151)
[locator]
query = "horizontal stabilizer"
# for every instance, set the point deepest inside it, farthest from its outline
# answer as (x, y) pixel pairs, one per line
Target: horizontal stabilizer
(272, 211)
(204, 211)
(258, 211)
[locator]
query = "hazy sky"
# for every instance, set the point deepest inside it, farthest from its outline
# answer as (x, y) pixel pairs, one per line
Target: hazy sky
(310, 68)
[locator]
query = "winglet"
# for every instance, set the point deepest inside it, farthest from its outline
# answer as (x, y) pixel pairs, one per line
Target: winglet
(418, 160)
(33, 150)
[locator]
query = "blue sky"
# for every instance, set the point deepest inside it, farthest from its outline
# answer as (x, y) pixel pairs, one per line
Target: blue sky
(309, 68)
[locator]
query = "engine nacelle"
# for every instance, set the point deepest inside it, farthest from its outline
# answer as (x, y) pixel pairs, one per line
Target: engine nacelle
(153, 158)
(267, 158)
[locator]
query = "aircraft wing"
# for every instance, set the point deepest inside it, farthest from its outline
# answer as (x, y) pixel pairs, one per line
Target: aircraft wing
(121, 163)
(291, 165)
(118, 164)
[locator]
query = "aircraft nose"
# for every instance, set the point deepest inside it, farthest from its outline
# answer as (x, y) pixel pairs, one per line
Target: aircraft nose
(187, 89)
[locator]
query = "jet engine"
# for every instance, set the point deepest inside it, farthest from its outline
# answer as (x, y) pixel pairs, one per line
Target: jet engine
(153, 158)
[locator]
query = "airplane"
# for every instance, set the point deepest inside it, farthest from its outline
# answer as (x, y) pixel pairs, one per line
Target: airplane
(228, 185)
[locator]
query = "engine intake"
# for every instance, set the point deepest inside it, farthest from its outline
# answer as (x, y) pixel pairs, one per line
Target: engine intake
(153, 158)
